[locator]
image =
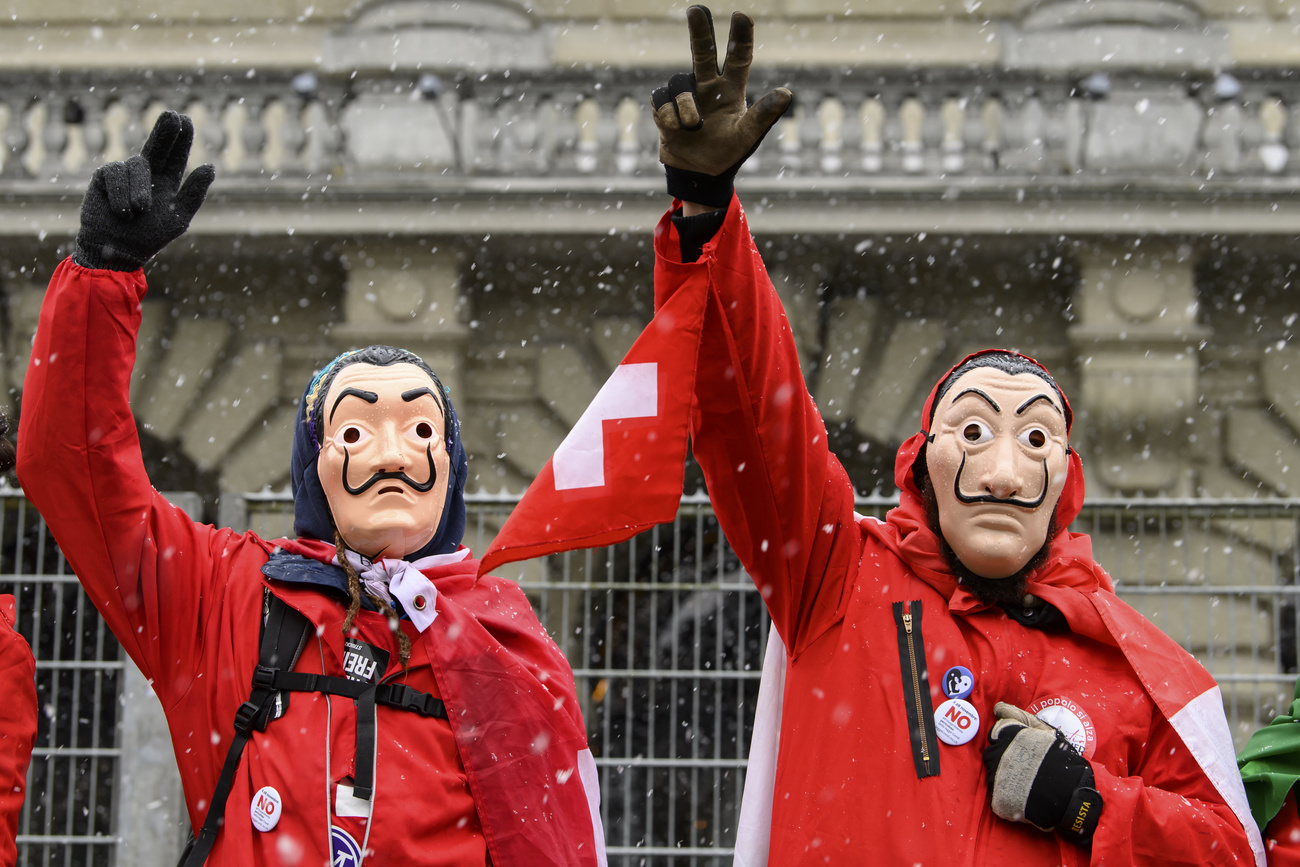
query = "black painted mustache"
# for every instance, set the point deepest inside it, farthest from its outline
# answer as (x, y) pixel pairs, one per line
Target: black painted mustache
(989, 498)
(421, 487)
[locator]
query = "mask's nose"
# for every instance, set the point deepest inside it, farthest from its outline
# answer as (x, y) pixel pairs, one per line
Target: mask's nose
(1001, 470)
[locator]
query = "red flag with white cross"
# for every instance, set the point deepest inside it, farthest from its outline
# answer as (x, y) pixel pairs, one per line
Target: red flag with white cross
(619, 471)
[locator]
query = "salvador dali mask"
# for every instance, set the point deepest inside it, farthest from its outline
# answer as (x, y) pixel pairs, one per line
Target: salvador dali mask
(998, 462)
(383, 462)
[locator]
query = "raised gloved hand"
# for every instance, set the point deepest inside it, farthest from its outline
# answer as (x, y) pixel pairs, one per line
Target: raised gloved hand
(136, 207)
(1037, 776)
(705, 129)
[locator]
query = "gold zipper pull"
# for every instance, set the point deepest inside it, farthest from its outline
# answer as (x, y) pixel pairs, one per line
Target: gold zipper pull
(907, 623)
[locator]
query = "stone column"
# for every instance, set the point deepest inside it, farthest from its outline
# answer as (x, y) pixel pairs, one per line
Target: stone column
(407, 296)
(1136, 343)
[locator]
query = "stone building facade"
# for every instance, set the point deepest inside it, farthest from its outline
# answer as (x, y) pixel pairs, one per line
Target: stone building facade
(1112, 186)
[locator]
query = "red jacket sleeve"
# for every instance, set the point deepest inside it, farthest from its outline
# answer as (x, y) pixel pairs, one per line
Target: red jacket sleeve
(17, 727)
(782, 498)
(146, 566)
(1168, 812)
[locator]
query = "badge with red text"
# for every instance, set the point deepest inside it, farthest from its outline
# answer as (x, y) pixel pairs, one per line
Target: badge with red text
(956, 721)
(1070, 719)
(265, 809)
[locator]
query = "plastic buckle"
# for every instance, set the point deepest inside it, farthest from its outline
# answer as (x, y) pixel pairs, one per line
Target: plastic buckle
(263, 677)
(246, 716)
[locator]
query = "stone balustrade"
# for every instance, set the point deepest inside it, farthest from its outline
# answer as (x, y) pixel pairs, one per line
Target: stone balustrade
(913, 129)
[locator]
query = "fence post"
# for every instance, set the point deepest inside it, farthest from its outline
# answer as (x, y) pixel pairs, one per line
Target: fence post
(151, 818)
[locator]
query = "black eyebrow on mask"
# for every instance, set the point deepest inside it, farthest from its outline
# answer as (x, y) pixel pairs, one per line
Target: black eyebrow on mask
(993, 403)
(367, 396)
(411, 395)
(1047, 397)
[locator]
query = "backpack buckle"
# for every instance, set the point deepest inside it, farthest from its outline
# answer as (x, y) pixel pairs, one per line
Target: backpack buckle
(246, 717)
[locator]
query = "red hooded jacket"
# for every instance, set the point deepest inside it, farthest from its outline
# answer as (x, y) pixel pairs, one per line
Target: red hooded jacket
(848, 784)
(508, 776)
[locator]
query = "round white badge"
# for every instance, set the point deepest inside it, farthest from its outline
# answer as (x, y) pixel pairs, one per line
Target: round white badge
(265, 809)
(956, 721)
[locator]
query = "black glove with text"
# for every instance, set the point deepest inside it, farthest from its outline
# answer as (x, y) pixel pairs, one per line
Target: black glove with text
(705, 129)
(136, 207)
(1037, 776)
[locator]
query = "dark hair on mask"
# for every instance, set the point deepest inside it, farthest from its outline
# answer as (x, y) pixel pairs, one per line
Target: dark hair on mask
(380, 356)
(1007, 362)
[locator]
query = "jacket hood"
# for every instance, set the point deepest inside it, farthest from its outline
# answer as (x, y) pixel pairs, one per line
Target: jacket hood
(907, 530)
(311, 511)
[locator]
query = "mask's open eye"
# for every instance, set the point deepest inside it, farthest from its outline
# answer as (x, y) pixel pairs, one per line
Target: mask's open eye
(422, 431)
(976, 432)
(353, 435)
(1034, 437)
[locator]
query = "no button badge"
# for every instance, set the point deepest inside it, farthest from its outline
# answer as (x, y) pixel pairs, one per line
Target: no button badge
(265, 809)
(956, 721)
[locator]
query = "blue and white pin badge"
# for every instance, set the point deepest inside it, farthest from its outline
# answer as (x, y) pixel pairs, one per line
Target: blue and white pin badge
(958, 682)
(344, 851)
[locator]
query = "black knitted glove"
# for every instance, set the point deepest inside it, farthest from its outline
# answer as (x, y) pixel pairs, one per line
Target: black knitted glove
(135, 208)
(1037, 776)
(705, 130)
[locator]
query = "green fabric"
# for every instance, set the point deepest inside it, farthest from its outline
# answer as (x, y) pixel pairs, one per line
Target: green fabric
(1270, 763)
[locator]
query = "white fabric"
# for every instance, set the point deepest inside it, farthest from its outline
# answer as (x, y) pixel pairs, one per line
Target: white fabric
(754, 829)
(1204, 729)
(349, 805)
(632, 391)
(389, 578)
(590, 779)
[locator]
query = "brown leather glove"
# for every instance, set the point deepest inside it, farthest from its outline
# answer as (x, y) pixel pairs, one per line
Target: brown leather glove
(705, 130)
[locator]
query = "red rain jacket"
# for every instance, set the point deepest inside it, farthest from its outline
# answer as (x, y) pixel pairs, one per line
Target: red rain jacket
(847, 789)
(509, 776)
(17, 726)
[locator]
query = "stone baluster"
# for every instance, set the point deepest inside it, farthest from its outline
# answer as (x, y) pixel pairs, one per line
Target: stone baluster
(587, 148)
(932, 132)
(253, 132)
(1221, 139)
(990, 135)
(562, 134)
(210, 127)
(627, 117)
(911, 118)
(54, 136)
(74, 154)
(830, 119)
(292, 134)
(13, 135)
(1273, 153)
(789, 139)
(1291, 137)
(92, 127)
(320, 150)
(525, 133)
(506, 116)
(276, 151)
(546, 119)
(34, 157)
(871, 117)
(952, 116)
(892, 133)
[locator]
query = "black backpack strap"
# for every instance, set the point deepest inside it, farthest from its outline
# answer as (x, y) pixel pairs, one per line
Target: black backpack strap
(282, 628)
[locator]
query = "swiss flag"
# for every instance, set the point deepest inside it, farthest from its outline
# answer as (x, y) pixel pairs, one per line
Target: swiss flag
(620, 470)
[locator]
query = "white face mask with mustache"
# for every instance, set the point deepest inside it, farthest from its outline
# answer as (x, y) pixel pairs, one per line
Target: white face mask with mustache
(383, 462)
(998, 462)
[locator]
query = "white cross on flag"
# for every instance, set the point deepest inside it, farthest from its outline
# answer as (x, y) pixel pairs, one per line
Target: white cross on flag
(619, 471)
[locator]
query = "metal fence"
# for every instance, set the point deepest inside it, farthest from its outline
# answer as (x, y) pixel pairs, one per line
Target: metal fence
(666, 637)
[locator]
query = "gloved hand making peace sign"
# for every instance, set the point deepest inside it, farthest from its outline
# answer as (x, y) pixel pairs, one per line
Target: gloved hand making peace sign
(705, 129)
(136, 207)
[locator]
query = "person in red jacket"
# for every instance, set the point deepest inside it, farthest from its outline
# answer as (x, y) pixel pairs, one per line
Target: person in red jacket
(386, 706)
(18, 716)
(960, 683)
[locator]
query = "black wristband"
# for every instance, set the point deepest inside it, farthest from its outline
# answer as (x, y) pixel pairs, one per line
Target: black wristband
(98, 257)
(712, 190)
(694, 232)
(1083, 812)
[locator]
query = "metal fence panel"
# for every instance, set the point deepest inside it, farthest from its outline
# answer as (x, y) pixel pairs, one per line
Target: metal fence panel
(666, 635)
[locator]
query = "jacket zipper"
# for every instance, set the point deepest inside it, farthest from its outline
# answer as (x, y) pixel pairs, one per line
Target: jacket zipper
(920, 711)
